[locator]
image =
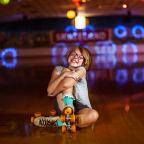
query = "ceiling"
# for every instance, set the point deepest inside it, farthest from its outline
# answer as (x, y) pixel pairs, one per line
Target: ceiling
(19, 9)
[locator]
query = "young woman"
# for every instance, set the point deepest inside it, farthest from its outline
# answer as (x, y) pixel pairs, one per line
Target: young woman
(71, 81)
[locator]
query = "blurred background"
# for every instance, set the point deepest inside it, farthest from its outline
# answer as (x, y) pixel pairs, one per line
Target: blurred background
(35, 36)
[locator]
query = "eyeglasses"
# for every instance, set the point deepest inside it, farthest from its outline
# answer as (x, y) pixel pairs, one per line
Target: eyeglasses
(80, 57)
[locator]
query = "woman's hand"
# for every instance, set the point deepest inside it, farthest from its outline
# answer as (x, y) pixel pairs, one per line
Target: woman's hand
(71, 74)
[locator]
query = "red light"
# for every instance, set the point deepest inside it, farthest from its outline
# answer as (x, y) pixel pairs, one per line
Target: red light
(76, 2)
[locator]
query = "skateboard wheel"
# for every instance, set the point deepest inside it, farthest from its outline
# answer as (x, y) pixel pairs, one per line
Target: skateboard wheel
(73, 128)
(32, 119)
(68, 111)
(62, 118)
(37, 114)
(73, 118)
(63, 129)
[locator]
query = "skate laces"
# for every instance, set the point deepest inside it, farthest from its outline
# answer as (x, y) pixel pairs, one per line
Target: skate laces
(43, 122)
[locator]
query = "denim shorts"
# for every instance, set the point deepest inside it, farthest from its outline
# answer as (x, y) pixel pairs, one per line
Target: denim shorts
(78, 106)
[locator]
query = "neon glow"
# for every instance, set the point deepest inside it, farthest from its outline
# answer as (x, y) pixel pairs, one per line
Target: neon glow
(121, 76)
(120, 31)
(89, 28)
(138, 31)
(106, 47)
(60, 49)
(138, 75)
(131, 59)
(105, 61)
(127, 48)
(70, 29)
(9, 63)
(11, 51)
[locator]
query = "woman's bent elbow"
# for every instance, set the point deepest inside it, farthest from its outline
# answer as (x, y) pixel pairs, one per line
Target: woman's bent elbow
(49, 93)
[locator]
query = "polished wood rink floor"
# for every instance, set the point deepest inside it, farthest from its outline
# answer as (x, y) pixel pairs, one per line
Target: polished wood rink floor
(23, 92)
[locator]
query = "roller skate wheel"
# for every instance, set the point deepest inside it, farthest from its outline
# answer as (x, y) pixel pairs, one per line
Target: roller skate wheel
(62, 118)
(32, 119)
(37, 114)
(73, 128)
(63, 129)
(73, 118)
(68, 111)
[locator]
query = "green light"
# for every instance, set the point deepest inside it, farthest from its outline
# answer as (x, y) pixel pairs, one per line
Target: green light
(4, 2)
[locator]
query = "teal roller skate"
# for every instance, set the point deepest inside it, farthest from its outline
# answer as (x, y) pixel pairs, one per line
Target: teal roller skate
(68, 117)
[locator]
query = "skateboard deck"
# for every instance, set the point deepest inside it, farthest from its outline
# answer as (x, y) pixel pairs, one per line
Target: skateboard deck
(67, 120)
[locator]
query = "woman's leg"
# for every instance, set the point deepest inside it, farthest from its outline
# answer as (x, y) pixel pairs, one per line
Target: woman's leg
(86, 117)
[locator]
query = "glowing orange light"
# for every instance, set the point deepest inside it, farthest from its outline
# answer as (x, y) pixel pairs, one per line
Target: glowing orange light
(84, 1)
(76, 2)
(71, 14)
(124, 5)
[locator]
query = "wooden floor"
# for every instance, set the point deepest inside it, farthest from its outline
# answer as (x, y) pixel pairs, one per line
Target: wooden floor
(23, 92)
(121, 121)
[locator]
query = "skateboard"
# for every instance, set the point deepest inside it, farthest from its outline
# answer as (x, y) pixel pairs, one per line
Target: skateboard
(67, 120)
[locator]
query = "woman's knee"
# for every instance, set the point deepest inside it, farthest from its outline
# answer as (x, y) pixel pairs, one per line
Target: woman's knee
(94, 115)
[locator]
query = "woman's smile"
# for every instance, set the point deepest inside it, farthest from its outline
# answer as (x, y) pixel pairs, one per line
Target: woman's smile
(74, 61)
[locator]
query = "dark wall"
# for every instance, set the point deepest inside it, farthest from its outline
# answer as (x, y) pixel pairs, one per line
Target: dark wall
(62, 23)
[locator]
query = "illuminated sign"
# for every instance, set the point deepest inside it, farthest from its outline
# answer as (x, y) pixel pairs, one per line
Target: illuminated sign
(78, 36)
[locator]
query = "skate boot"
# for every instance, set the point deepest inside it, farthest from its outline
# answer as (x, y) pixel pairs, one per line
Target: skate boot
(46, 121)
(68, 117)
(68, 102)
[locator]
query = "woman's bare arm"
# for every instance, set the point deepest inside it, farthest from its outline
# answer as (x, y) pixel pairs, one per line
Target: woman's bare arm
(54, 82)
(69, 82)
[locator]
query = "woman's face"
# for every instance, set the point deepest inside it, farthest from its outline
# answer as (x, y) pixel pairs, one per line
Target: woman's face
(75, 59)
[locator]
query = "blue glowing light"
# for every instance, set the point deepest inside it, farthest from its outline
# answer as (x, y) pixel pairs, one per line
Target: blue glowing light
(121, 76)
(92, 75)
(138, 75)
(70, 29)
(129, 59)
(106, 47)
(59, 49)
(65, 50)
(105, 61)
(64, 61)
(11, 51)
(53, 51)
(9, 63)
(125, 48)
(54, 60)
(120, 31)
(138, 31)
(89, 28)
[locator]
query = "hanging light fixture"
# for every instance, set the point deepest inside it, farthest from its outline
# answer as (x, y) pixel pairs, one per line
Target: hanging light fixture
(80, 22)
(71, 14)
